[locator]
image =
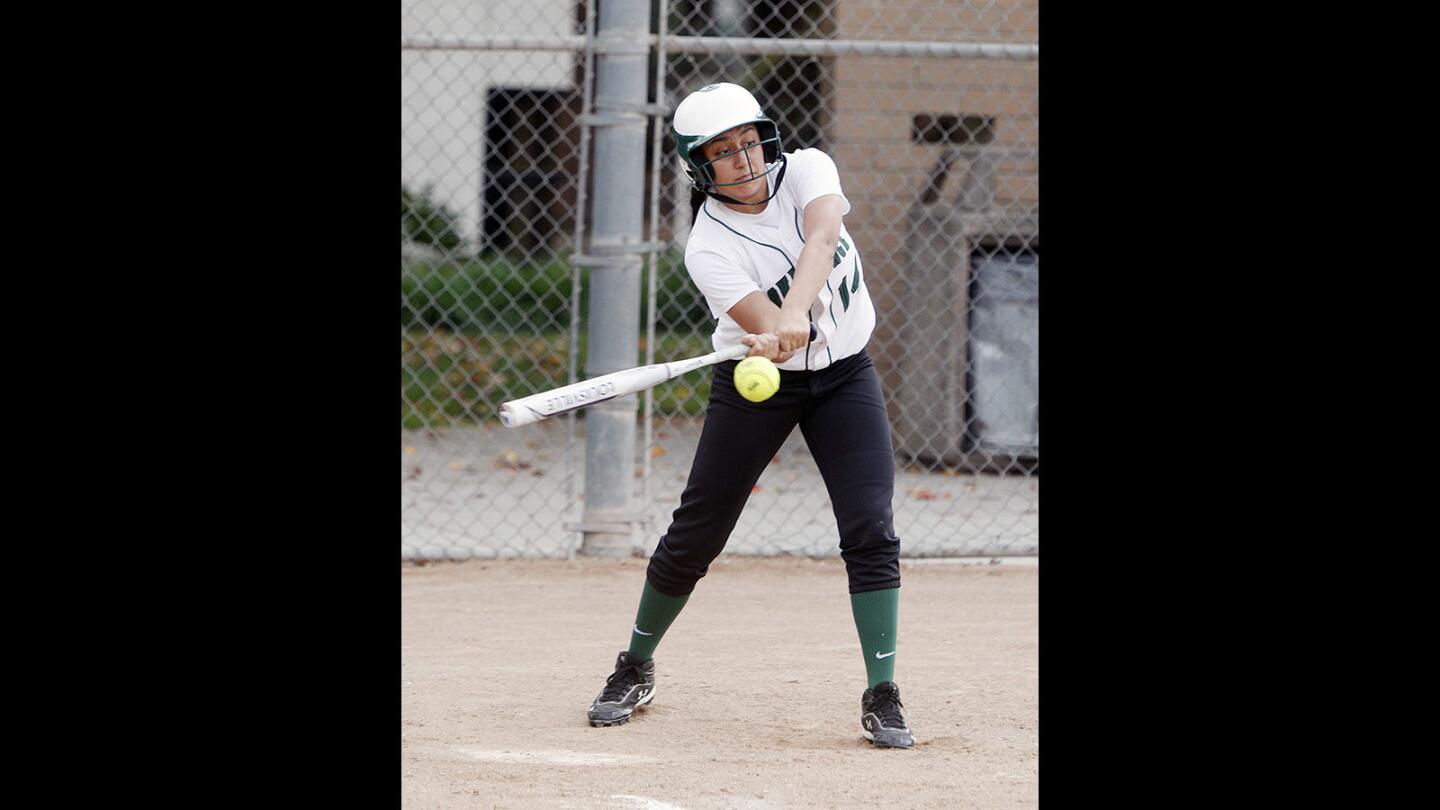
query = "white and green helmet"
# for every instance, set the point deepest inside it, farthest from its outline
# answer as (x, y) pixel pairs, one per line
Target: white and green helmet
(711, 111)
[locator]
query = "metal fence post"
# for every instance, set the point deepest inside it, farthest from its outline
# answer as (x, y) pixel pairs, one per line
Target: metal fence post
(620, 116)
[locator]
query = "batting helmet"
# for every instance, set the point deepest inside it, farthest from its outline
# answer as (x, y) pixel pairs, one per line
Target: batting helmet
(711, 111)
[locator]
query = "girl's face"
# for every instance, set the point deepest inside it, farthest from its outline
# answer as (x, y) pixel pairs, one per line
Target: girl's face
(741, 159)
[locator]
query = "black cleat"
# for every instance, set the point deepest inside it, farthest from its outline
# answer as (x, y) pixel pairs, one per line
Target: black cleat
(631, 686)
(882, 720)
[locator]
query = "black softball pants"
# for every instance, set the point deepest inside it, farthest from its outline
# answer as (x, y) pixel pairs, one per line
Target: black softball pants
(841, 413)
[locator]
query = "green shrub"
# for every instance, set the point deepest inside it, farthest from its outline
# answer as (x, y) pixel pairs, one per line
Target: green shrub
(425, 222)
(493, 293)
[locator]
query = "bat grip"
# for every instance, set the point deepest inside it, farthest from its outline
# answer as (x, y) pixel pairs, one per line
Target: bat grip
(813, 333)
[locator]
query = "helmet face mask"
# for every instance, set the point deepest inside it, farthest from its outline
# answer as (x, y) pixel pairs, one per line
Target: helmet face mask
(768, 139)
(711, 112)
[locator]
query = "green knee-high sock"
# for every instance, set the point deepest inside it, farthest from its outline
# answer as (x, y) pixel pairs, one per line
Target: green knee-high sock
(653, 618)
(877, 614)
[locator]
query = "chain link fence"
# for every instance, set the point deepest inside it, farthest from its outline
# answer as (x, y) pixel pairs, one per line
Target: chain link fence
(930, 110)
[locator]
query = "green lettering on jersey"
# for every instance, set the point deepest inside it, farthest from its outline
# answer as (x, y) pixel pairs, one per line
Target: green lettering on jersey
(777, 293)
(853, 286)
(782, 288)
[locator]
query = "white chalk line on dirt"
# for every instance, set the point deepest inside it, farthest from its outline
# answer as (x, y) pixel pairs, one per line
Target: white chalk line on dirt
(647, 803)
(552, 757)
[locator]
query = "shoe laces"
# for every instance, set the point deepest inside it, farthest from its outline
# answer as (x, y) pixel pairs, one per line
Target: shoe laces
(886, 706)
(619, 682)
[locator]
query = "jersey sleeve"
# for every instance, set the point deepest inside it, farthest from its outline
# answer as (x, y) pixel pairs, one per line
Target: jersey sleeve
(814, 175)
(719, 278)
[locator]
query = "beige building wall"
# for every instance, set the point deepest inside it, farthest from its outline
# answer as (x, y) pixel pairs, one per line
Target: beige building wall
(875, 101)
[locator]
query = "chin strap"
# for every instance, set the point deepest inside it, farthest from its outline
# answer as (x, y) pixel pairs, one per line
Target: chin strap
(779, 178)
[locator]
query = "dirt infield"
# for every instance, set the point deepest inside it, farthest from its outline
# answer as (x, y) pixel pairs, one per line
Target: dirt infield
(758, 688)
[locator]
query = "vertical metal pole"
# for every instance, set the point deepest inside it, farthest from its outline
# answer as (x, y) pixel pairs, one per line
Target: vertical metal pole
(622, 55)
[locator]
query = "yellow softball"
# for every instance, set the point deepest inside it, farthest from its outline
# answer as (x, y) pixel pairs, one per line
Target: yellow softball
(757, 379)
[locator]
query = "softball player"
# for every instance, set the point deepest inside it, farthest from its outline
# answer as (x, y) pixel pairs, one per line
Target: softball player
(770, 253)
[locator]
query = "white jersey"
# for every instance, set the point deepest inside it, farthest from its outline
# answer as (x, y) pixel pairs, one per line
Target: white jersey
(731, 255)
